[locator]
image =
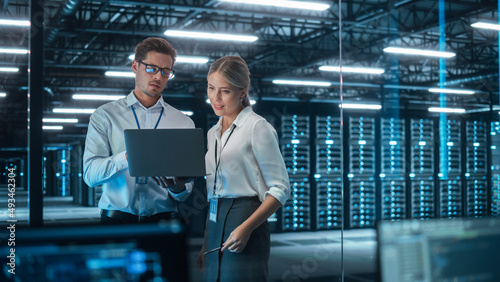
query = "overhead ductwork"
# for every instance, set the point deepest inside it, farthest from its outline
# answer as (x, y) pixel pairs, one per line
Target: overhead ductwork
(67, 10)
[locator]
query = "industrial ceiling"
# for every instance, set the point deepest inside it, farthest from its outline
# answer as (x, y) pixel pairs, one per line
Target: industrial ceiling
(83, 39)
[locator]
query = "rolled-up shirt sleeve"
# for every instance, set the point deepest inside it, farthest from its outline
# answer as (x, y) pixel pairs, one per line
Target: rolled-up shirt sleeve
(265, 147)
(99, 164)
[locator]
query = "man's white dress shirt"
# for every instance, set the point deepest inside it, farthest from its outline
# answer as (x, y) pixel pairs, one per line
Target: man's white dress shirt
(104, 160)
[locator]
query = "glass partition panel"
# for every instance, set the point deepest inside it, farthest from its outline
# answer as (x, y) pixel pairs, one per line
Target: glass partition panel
(384, 111)
(425, 151)
(14, 66)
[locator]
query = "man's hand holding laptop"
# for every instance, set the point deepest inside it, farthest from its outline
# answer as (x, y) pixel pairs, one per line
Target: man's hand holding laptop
(175, 184)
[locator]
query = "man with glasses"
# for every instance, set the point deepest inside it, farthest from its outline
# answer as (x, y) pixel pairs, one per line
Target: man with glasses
(127, 199)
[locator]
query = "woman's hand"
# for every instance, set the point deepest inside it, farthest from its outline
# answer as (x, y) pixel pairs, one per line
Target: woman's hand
(237, 240)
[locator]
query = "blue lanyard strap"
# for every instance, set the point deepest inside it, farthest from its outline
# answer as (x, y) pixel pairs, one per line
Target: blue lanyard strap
(144, 180)
(137, 121)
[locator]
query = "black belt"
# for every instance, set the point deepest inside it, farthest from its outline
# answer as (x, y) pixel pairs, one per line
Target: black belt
(132, 218)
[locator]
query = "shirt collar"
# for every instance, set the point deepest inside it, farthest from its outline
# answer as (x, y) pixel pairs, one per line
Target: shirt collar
(243, 116)
(240, 119)
(131, 100)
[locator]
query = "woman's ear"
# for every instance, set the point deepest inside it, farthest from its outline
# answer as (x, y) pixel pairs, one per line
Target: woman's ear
(244, 92)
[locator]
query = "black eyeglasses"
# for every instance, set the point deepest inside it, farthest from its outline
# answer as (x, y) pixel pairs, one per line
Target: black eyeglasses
(152, 69)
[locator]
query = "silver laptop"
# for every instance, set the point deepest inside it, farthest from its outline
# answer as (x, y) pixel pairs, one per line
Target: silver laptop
(166, 152)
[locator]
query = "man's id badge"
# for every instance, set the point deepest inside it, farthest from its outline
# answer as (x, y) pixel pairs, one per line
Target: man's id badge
(213, 210)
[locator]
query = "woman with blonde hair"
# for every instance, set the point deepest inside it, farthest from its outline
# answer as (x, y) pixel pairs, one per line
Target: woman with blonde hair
(247, 179)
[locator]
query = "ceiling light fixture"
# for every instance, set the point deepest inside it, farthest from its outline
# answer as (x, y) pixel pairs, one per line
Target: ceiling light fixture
(119, 74)
(451, 91)
(486, 25)
(14, 51)
(302, 82)
(97, 97)
(419, 52)
(3, 94)
(252, 102)
(60, 120)
(191, 60)
(360, 106)
(184, 59)
(14, 22)
(213, 36)
(73, 111)
(52, 127)
(347, 69)
(446, 110)
(6, 69)
(284, 4)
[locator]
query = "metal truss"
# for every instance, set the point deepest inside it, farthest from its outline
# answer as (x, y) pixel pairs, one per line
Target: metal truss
(83, 39)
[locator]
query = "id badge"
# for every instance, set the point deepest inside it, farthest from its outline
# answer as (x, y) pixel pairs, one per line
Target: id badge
(213, 210)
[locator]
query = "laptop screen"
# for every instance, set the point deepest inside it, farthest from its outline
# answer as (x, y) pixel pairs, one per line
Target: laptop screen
(166, 152)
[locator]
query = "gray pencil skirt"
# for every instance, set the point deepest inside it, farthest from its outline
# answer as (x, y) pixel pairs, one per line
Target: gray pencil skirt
(249, 265)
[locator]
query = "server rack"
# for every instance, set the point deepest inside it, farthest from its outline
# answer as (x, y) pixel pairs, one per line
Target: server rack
(328, 174)
(295, 149)
(393, 169)
(361, 172)
(422, 184)
(476, 169)
(450, 165)
(495, 168)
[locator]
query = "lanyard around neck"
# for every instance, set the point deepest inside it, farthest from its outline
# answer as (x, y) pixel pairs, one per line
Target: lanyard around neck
(217, 161)
(137, 121)
(144, 180)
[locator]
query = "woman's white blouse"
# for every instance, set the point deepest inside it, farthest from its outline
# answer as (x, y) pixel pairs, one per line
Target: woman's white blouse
(250, 161)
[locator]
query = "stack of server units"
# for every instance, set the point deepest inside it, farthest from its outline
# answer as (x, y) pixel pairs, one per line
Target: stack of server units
(296, 153)
(361, 173)
(393, 169)
(476, 169)
(328, 174)
(495, 168)
(422, 169)
(450, 184)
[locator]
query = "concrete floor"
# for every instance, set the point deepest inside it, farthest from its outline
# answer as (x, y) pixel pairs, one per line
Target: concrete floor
(295, 256)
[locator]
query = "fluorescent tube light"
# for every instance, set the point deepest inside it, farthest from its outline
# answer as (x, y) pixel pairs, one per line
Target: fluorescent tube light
(420, 52)
(14, 22)
(97, 97)
(252, 102)
(208, 35)
(52, 127)
(184, 59)
(302, 82)
(14, 51)
(284, 4)
(72, 111)
(3, 94)
(486, 25)
(360, 106)
(60, 120)
(9, 69)
(191, 60)
(119, 74)
(347, 69)
(187, 113)
(451, 91)
(446, 110)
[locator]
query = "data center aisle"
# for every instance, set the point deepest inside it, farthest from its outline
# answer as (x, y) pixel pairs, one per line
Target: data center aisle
(313, 256)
